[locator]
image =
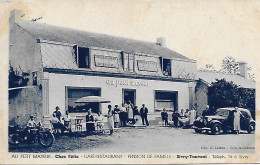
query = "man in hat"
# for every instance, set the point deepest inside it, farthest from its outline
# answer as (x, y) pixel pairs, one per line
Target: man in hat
(143, 113)
(57, 113)
(31, 123)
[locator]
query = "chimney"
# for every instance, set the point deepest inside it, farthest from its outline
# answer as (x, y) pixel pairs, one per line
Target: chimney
(15, 16)
(243, 69)
(161, 41)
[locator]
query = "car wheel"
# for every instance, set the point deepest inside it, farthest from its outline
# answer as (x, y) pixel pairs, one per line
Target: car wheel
(251, 128)
(198, 130)
(215, 130)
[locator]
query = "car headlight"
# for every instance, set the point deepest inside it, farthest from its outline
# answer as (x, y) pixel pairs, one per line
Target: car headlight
(209, 119)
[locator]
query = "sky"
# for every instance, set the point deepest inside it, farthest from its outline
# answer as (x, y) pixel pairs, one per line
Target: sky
(205, 31)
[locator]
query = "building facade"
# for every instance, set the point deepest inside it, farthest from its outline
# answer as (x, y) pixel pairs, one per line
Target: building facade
(61, 65)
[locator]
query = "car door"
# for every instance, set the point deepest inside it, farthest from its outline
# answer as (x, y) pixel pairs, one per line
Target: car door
(244, 120)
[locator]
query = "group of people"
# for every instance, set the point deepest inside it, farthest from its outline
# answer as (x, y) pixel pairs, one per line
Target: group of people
(116, 117)
(129, 114)
(63, 122)
(184, 118)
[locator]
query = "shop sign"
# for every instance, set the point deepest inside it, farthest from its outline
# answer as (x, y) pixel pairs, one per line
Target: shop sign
(149, 66)
(132, 83)
(106, 61)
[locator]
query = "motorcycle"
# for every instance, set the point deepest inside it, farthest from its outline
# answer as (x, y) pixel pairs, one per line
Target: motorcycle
(27, 135)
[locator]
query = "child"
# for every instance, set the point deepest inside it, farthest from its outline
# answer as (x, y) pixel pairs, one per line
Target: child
(164, 115)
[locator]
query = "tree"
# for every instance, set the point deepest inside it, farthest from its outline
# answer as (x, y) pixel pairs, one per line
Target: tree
(230, 65)
(227, 94)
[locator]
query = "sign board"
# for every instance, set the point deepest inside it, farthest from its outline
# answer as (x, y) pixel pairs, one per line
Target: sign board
(106, 61)
(149, 66)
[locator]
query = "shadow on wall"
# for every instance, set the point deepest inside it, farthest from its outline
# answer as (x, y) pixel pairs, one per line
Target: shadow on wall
(23, 102)
(16, 81)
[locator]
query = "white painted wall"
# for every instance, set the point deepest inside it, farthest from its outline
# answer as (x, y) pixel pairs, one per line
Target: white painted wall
(144, 94)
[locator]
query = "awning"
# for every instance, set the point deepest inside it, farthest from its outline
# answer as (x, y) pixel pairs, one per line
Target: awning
(92, 99)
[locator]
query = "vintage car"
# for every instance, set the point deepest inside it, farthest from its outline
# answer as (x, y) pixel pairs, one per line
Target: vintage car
(223, 121)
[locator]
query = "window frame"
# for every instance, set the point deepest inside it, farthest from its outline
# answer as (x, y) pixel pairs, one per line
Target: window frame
(76, 47)
(67, 88)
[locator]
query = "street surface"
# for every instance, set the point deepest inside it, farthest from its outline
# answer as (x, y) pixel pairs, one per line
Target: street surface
(153, 139)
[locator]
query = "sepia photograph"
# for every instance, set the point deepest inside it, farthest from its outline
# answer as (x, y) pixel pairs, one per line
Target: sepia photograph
(131, 80)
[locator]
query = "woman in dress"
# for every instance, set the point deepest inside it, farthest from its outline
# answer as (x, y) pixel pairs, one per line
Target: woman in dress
(237, 115)
(116, 115)
(130, 112)
(192, 115)
(110, 119)
(99, 121)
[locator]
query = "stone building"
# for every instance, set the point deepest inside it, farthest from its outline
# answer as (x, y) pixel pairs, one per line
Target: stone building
(62, 65)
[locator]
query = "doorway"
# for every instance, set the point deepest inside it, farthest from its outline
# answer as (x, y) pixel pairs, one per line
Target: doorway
(129, 94)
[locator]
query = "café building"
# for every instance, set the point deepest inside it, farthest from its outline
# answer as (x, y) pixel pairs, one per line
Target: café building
(62, 65)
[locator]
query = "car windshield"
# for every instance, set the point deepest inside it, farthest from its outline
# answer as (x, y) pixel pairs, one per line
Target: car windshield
(222, 112)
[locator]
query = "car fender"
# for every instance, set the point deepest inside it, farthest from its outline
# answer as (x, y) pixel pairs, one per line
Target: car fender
(212, 122)
(251, 122)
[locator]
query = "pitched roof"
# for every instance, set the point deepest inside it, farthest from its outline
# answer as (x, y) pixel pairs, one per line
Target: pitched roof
(210, 77)
(89, 39)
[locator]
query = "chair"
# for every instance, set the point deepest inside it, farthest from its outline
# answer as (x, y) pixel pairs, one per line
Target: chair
(78, 125)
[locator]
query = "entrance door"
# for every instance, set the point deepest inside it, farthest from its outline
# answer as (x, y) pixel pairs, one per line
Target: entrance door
(129, 94)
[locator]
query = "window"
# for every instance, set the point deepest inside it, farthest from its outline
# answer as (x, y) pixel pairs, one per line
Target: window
(83, 57)
(74, 94)
(245, 114)
(128, 62)
(166, 99)
(166, 67)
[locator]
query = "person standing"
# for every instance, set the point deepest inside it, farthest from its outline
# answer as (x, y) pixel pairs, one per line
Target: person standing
(192, 115)
(136, 114)
(175, 118)
(110, 119)
(90, 126)
(143, 113)
(116, 115)
(99, 121)
(123, 115)
(164, 116)
(237, 115)
(67, 121)
(130, 112)
(57, 112)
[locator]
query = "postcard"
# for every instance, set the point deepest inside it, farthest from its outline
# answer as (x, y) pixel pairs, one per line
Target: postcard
(122, 82)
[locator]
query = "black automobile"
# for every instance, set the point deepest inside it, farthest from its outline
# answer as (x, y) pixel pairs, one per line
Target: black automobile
(223, 121)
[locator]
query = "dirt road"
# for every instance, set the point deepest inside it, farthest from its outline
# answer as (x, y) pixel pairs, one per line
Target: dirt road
(149, 140)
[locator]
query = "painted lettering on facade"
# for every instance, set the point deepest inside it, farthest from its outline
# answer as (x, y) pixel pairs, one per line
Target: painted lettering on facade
(106, 61)
(149, 66)
(132, 83)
